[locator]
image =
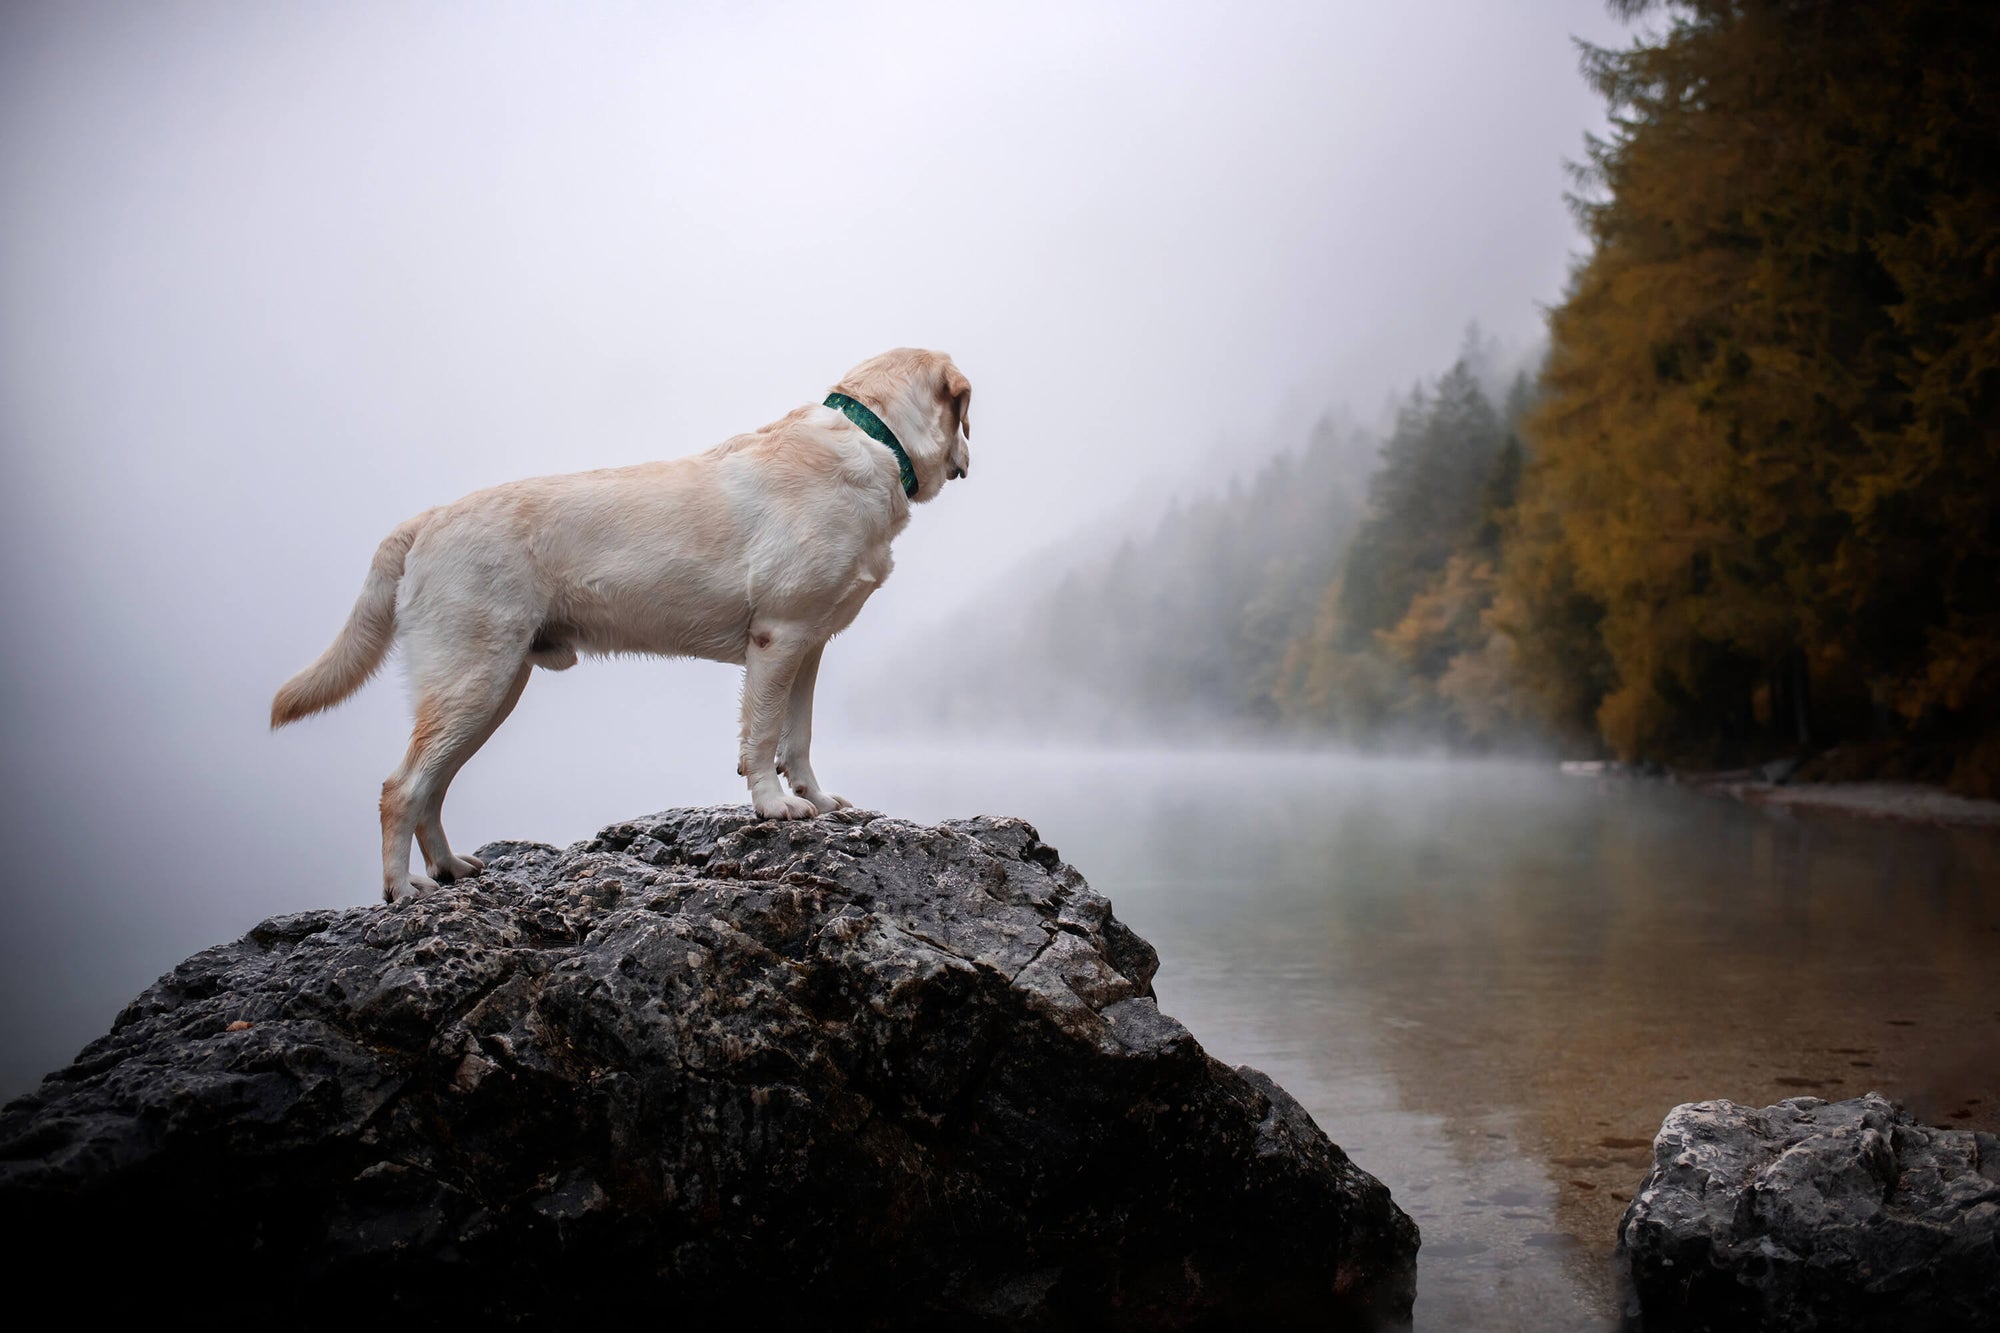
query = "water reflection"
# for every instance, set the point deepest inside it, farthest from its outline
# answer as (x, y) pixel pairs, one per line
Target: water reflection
(1489, 982)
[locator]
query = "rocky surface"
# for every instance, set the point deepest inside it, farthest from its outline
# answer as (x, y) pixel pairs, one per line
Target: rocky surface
(1814, 1215)
(850, 1072)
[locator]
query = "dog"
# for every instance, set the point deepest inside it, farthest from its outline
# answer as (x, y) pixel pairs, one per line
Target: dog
(753, 553)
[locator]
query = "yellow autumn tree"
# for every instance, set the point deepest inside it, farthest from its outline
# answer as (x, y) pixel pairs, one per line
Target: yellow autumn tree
(1766, 458)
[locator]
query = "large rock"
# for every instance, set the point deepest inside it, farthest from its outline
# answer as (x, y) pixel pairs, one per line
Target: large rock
(1814, 1215)
(852, 1071)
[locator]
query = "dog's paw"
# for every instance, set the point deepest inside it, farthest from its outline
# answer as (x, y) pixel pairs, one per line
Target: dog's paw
(456, 867)
(395, 891)
(783, 807)
(825, 802)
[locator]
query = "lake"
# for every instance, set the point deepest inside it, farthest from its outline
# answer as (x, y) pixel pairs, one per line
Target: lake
(1489, 982)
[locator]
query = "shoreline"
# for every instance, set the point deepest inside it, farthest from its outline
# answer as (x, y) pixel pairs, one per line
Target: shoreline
(1771, 786)
(1894, 802)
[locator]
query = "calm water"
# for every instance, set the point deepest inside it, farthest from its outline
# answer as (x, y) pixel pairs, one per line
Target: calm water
(1489, 982)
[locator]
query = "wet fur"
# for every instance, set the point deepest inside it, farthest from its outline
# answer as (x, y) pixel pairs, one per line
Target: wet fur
(755, 552)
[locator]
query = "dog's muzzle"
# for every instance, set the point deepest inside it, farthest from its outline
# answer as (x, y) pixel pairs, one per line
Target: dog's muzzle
(953, 474)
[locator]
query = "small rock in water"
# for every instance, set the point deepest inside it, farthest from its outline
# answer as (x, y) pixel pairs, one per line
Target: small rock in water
(1779, 771)
(1811, 1214)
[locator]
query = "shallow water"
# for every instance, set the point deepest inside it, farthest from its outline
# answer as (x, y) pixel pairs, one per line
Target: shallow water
(1489, 982)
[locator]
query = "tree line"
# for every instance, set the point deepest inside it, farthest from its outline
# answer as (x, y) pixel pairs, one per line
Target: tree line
(1749, 505)
(1763, 507)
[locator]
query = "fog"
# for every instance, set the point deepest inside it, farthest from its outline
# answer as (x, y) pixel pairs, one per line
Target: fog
(272, 279)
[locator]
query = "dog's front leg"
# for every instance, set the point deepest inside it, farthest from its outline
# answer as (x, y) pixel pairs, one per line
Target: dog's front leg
(771, 665)
(795, 746)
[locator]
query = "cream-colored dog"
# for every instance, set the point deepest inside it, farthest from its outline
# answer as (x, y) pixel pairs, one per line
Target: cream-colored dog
(755, 552)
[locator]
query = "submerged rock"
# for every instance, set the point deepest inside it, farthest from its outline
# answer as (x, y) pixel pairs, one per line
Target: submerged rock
(845, 1072)
(1814, 1215)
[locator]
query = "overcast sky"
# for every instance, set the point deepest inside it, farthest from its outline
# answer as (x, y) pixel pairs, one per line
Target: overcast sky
(274, 277)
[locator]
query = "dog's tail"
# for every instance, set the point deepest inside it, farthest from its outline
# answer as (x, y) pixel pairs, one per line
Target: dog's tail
(358, 650)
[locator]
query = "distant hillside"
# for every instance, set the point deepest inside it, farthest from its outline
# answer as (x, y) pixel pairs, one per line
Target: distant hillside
(1256, 610)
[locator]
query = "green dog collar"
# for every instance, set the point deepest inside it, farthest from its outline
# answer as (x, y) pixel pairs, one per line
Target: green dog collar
(859, 414)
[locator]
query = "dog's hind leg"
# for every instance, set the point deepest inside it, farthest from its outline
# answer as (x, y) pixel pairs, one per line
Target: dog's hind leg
(455, 715)
(795, 746)
(439, 862)
(776, 652)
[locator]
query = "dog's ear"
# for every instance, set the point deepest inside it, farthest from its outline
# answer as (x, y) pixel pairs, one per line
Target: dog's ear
(959, 390)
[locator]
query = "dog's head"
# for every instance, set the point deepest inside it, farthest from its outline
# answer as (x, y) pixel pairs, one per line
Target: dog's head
(927, 401)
